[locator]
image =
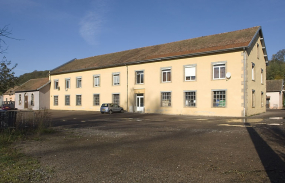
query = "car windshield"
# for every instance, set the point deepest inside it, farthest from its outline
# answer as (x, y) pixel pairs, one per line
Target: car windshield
(104, 105)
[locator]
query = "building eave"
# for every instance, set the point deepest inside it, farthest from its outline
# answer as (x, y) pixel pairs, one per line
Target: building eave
(152, 60)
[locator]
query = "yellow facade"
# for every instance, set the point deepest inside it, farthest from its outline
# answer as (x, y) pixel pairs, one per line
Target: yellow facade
(238, 92)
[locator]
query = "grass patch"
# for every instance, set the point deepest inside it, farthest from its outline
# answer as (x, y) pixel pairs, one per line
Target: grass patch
(15, 166)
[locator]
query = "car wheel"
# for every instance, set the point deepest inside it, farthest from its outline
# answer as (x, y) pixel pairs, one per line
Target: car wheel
(110, 112)
(102, 112)
(122, 110)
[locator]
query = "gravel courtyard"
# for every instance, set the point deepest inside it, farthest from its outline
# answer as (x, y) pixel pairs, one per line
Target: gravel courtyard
(128, 147)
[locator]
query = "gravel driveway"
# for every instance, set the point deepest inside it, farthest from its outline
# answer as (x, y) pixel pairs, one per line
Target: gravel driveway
(128, 147)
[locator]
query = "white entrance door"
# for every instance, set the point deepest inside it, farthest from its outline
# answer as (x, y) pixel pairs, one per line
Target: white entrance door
(140, 102)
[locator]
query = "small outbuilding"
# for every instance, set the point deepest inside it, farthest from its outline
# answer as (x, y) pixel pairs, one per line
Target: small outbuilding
(33, 94)
(275, 94)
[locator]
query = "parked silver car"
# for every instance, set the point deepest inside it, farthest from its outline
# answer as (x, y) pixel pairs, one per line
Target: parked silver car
(110, 108)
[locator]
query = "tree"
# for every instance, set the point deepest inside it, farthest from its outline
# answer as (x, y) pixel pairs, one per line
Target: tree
(7, 78)
(276, 67)
(5, 32)
(279, 56)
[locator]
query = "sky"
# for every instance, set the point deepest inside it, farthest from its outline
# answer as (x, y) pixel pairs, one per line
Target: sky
(49, 33)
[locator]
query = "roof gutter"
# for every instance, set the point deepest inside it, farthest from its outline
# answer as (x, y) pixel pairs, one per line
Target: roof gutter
(148, 60)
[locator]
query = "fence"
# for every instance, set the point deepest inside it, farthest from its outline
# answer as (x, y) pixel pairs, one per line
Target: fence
(24, 119)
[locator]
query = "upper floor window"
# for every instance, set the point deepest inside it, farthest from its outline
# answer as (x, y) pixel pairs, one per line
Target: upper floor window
(252, 71)
(139, 77)
(96, 79)
(56, 84)
(116, 78)
(190, 72)
(32, 100)
(166, 75)
(78, 82)
(219, 98)
(219, 71)
(261, 76)
(67, 83)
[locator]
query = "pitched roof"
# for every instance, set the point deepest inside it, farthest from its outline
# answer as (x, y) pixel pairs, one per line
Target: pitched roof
(196, 46)
(33, 84)
(274, 85)
(11, 91)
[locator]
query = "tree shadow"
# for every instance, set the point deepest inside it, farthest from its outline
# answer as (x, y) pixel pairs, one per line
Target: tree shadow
(272, 163)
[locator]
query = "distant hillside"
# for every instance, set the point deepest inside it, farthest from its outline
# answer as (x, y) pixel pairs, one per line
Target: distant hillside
(33, 75)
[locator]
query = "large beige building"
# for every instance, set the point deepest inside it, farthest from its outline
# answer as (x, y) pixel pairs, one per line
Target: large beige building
(216, 75)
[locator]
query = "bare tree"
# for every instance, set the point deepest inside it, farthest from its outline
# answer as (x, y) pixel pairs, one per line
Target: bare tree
(7, 76)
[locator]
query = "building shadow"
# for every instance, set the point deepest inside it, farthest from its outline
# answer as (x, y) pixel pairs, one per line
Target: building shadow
(271, 161)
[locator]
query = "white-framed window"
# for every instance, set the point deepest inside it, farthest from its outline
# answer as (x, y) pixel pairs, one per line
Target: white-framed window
(252, 71)
(20, 99)
(261, 76)
(67, 99)
(67, 83)
(253, 98)
(96, 80)
(219, 70)
(166, 99)
(189, 72)
(78, 82)
(96, 99)
(116, 98)
(116, 78)
(219, 98)
(78, 100)
(55, 100)
(56, 84)
(190, 98)
(139, 77)
(166, 75)
(32, 100)
(262, 99)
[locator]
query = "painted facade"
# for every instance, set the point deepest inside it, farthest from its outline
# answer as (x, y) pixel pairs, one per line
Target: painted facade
(33, 95)
(223, 83)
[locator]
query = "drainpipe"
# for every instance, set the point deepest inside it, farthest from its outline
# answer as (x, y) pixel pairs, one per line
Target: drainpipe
(127, 87)
(244, 81)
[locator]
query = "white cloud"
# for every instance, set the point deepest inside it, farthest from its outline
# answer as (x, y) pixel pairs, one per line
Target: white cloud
(91, 24)
(90, 27)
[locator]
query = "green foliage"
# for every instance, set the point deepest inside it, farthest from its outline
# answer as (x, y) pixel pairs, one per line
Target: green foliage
(33, 75)
(7, 78)
(276, 67)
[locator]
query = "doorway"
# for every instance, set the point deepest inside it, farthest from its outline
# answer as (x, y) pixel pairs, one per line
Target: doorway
(140, 102)
(26, 102)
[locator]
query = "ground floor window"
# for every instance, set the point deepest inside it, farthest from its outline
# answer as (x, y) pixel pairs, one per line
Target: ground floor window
(78, 100)
(55, 100)
(165, 99)
(116, 99)
(262, 99)
(67, 99)
(219, 98)
(190, 99)
(253, 98)
(96, 98)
